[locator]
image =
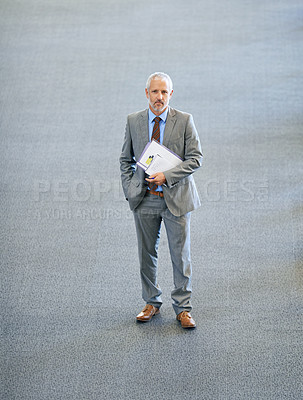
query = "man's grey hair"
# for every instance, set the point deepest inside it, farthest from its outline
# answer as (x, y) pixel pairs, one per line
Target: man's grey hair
(159, 75)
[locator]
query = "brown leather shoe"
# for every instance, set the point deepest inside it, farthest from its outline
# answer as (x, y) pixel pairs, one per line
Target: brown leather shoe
(186, 320)
(147, 313)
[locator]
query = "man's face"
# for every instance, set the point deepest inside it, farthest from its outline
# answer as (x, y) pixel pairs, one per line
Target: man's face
(158, 95)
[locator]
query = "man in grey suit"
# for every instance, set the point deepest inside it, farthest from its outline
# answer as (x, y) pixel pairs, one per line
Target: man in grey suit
(167, 196)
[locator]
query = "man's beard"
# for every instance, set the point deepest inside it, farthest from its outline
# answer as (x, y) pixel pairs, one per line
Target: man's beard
(158, 109)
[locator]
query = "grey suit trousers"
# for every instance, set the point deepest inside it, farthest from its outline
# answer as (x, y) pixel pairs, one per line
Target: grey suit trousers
(148, 217)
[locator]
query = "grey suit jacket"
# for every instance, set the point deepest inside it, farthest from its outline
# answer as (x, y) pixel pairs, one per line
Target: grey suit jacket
(180, 136)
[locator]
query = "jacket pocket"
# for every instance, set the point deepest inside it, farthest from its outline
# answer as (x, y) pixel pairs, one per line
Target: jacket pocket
(135, 188)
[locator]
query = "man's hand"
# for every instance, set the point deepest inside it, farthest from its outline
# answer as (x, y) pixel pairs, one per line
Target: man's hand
(158, 178)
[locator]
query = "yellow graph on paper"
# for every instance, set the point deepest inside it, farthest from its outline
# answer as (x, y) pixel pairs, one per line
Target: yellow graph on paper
(149, 160)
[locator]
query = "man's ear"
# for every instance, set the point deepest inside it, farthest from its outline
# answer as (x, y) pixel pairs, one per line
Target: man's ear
(146, 92)
(171, 93)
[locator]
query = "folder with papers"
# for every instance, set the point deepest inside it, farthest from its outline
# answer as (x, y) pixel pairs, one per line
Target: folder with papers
(157, 158)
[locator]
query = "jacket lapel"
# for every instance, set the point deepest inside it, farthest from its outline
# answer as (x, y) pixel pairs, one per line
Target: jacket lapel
(169, 126)
(143, 128)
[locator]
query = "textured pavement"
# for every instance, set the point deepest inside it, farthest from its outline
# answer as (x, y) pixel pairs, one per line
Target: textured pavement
(70, 72)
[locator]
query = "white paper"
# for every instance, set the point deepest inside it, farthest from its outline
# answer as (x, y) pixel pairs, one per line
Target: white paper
(159, 164)
(157, 158)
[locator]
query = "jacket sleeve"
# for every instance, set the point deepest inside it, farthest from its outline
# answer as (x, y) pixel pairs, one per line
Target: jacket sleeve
(192, 156)
(127, 160)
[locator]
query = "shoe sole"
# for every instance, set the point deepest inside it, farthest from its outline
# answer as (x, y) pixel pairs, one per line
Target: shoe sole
(188, 327)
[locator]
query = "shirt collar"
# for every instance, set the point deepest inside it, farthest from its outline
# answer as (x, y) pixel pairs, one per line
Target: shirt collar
(163, 116)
